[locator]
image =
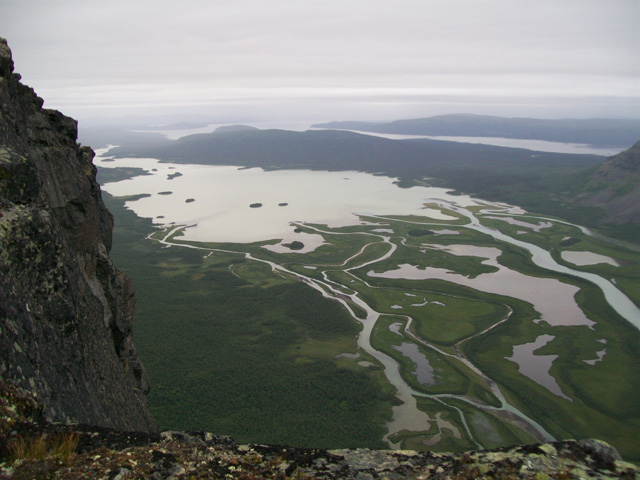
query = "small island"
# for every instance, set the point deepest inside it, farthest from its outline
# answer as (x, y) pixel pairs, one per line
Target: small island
(133, 198)
(171, 176)
(568, 241)
(419, 232)
(165, 193)
(295, 245)
(255, 205)
(190, 200)
(284, 204)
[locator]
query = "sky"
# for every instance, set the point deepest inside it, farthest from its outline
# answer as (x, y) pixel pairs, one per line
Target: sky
(234, 60)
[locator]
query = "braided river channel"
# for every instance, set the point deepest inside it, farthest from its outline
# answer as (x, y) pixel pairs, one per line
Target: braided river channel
(195, 204)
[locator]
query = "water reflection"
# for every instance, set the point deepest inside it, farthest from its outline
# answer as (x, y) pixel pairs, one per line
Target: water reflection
(215, 201)
(537, 367)
(587, 258)
(551, 298)
(423, 369)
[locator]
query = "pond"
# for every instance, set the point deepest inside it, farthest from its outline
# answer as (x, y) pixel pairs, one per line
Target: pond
(587, 258)
(537, 367)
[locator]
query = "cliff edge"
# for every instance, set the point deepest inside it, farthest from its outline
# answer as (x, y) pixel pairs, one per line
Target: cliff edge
(31, 449)
(65, 310)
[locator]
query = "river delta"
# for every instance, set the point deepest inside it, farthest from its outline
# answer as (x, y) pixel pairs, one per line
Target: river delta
(482, 321)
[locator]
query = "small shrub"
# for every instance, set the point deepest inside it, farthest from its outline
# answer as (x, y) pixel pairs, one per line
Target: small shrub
(64, 447)
(21, 448)
(61, 447)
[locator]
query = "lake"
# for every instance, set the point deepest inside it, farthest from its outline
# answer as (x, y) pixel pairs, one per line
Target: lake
(216, 201)
(228, 204)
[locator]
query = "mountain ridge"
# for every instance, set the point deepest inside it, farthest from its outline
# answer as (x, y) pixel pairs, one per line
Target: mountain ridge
(592, 131)
(615, 187)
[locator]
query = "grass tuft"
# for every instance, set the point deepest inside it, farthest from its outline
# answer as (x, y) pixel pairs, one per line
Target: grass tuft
(61, 447)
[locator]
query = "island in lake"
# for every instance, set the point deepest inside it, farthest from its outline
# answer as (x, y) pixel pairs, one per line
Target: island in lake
(295, 245)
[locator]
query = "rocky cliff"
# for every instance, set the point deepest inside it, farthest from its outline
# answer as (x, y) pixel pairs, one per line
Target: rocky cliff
(65, 310)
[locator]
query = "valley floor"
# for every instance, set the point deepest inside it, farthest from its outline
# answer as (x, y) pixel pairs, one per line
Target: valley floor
(528, 354)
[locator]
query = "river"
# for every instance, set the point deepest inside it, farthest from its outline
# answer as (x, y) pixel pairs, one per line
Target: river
(214, 204)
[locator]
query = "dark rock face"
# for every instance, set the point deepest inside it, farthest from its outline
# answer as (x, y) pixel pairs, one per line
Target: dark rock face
(65, 310)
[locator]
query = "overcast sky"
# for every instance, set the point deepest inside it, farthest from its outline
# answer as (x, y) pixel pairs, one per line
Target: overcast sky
(329, 59)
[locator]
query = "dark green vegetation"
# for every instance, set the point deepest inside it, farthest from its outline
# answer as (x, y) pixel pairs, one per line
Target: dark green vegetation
(594, 131)
(231, 313)
(231, 348)
(295, 245)
(603, 395)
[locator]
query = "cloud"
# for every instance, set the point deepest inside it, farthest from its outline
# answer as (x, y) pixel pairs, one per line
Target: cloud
(137, 53)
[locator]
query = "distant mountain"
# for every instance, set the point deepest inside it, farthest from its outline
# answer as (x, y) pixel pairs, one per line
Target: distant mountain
(593, 131)
(459, 165)
(545, 182)
(234, 128)
(615, 187)
(522, 177)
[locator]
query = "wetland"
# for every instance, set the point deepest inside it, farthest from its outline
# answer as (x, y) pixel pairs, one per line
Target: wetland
(419, 318)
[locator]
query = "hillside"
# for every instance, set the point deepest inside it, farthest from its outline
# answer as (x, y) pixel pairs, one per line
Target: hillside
(615, 188)
(594, 131)
(486, 168)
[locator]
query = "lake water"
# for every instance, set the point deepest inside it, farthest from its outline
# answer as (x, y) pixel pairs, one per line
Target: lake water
(553, 300)
(423, 370)
(587, 258)
(536, 145)
(300, 126)
(216, 201)
(536, 227)
(537, 367)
